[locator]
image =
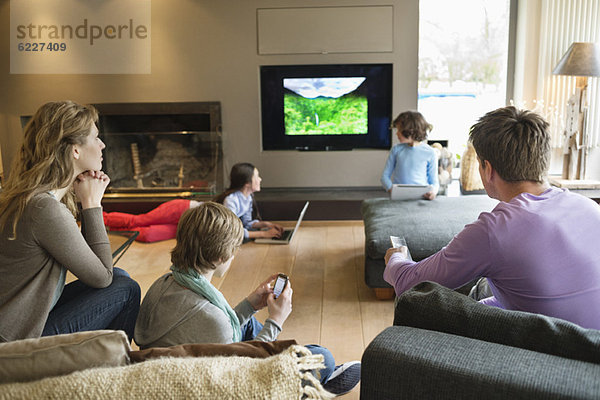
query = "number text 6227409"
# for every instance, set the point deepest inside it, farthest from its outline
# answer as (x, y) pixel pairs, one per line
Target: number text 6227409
(42, 46)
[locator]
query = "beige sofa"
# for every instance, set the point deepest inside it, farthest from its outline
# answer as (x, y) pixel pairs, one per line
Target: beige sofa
(101, 365)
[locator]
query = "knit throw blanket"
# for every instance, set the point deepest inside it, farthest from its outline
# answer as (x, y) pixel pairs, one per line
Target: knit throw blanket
(283, 376)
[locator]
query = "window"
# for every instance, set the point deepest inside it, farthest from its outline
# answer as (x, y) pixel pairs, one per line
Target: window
(463, 62)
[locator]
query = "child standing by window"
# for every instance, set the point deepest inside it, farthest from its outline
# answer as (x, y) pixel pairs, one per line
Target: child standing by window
(411, 161)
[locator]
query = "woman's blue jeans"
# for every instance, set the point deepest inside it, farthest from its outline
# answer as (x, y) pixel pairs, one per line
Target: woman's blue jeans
(252, 328)
(83, 308)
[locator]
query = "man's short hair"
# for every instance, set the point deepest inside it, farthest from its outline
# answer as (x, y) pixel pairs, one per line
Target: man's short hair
(515, 142)
(206, 235)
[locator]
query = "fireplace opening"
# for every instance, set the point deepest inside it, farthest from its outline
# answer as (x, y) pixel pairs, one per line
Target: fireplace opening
(156, 150)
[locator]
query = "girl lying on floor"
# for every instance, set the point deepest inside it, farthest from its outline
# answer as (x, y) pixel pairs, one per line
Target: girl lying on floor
(161, 222)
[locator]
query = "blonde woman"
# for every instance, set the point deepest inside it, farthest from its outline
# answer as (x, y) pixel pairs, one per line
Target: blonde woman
(59, 163)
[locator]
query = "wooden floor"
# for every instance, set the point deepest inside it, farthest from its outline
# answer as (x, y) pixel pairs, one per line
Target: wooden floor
(332, 306)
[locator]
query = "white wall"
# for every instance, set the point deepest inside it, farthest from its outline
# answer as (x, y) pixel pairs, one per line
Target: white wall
(526, 53)
(205, 50)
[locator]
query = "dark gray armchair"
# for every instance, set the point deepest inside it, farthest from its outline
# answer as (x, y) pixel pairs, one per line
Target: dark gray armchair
(444, 345)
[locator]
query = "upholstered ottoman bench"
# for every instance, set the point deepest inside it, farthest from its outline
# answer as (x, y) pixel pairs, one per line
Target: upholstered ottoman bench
(426, 225)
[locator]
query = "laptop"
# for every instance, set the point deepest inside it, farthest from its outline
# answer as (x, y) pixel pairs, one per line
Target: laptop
(409, 192)
(287, 235)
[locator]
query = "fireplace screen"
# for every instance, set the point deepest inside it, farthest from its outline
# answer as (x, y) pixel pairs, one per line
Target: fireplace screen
(165, 161)
(160, 148)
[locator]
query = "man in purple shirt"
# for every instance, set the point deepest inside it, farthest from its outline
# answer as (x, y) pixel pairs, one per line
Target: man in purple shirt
(538, 248)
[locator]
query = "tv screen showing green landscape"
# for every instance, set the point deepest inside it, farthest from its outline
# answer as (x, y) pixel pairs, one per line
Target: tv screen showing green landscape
(325, 106)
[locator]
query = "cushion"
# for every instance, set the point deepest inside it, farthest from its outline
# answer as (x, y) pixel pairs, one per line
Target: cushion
(253, 348)
(31, 359)
(434, 307)
(426, 225)
(411, 363)
(287, 375)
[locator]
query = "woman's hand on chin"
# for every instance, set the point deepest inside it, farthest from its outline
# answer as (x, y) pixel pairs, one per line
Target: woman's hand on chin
(89, 187)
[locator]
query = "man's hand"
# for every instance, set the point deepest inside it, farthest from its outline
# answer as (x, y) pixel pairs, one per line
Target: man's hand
(402, 250)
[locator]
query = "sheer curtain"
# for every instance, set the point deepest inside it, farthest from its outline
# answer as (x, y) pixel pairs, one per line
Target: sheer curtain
(562, 23)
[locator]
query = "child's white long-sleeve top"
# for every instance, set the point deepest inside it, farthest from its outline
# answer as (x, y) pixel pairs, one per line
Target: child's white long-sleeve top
(242, 207)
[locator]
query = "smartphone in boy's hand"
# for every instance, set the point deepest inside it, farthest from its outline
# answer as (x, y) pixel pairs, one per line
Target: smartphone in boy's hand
(280, 283)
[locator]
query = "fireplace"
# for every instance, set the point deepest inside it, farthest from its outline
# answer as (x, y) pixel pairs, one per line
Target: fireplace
(161, 150)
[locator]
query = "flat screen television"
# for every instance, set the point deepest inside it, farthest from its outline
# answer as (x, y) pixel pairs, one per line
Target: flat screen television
(326, 107)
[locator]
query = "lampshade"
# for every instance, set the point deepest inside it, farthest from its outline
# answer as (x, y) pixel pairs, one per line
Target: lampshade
(582, 59)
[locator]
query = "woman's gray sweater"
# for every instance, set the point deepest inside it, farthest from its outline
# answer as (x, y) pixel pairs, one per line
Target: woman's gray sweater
(48, 240)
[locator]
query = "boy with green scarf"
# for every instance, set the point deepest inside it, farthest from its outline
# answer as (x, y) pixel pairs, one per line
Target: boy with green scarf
(184, 307)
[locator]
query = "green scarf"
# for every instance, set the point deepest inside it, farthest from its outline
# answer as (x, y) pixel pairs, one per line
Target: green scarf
(202, 286)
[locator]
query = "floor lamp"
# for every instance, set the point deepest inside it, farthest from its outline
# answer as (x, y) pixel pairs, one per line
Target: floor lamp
(581, 60)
